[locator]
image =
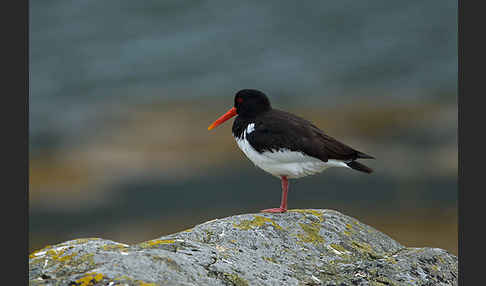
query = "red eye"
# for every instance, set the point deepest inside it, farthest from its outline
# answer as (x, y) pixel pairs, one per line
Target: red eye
(239, 100)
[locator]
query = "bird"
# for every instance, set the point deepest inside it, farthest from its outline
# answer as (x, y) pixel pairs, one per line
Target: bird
(283, 144)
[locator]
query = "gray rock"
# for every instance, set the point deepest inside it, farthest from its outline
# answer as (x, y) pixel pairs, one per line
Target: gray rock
(300, 247)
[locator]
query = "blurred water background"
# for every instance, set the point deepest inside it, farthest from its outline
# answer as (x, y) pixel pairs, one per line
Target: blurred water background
(122, 92)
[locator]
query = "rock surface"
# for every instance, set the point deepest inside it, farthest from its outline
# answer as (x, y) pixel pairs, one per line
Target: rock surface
(300, 247)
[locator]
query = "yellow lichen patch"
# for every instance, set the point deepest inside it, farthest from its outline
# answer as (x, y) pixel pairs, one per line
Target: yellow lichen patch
(123, 277)
(152, 243)
(258, 221)
(141, 283)
(90, 279)
(188, 230)
(364, 247)
(66, 257)
(311, 233)
(338, 248)
(235, 279)
(84, 240)
(270, 259)
(88, 258)
(390, 260)
(349, 229)
(383, 281)
(318, 214)
(57, 254)
(114, 247)
(39, 252)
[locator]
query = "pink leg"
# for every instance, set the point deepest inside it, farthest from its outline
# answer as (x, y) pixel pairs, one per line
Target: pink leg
(283, 204)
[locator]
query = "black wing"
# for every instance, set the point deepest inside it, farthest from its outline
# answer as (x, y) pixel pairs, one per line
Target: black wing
(278, 129)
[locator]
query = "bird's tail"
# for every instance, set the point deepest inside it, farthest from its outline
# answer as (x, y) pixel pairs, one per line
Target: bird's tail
(359, 167)
(361, 155)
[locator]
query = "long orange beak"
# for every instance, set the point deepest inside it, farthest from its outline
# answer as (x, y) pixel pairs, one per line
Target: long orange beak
(230, 113)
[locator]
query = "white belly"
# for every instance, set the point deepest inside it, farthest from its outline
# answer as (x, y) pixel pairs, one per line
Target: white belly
(284, 162)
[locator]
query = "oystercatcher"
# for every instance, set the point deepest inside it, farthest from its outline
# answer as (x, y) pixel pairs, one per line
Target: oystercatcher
(284, 144)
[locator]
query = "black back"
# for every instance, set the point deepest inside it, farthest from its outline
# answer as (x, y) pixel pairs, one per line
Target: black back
(275, 129)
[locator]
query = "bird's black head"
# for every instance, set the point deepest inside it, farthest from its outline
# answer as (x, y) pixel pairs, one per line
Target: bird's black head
(248, 103)
(251, 102)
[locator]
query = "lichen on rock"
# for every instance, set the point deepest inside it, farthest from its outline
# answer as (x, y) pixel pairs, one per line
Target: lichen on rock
(300, 247)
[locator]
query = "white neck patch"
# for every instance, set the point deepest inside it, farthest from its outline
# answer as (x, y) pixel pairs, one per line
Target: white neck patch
(250, 128)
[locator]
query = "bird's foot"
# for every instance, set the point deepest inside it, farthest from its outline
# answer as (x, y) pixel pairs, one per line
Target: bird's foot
(274, 210)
